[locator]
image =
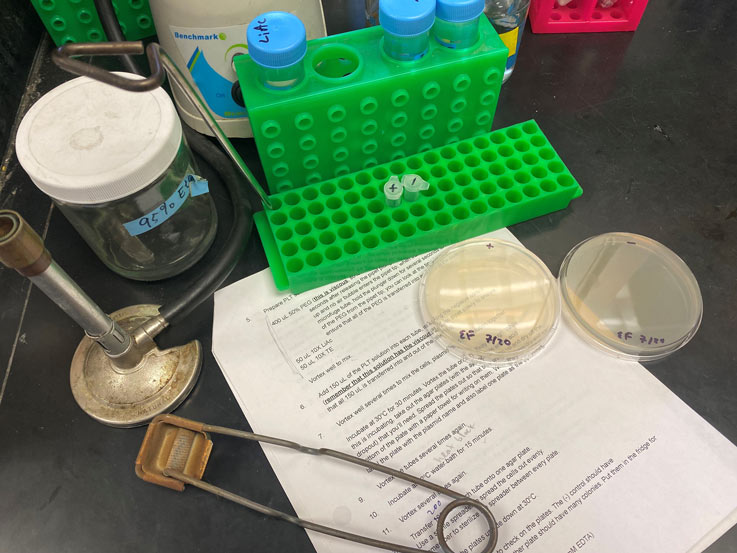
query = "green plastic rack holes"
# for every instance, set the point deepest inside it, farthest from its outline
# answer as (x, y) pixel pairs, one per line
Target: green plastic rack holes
(77, 20)
(357, 108)
(342, 227)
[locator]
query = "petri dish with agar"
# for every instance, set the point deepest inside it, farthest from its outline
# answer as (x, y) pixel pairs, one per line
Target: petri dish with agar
(490, 300)
(630, 296)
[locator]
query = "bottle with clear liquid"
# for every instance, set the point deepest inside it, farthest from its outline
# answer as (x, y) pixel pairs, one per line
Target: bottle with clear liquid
(508, 18)
(457, 22)
(406, 27)
(277, 42)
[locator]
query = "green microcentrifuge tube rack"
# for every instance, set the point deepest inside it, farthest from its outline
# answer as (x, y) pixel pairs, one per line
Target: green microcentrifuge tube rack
(77, 20)
(342, 227)
(357, 108)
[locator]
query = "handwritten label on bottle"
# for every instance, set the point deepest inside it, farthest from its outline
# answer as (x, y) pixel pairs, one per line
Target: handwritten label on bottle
(263, 28)
(190, 185)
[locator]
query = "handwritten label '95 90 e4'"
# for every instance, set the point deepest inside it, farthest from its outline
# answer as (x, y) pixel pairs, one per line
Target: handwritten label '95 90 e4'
(190, 185)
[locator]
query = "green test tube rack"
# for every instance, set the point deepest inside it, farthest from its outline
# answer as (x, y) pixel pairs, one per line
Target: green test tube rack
(343, 227)
(357, 108)
(77, 20)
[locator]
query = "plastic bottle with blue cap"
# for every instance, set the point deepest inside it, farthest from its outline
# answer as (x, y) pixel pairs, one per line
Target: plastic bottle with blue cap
(277, 42)
(457, 22)
(407, 27)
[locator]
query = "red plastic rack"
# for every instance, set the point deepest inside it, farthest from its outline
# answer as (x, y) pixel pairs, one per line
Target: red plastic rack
(585, 16)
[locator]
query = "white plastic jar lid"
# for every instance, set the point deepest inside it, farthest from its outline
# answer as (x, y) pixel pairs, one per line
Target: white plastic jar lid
(86, 142)
(490, 300)
(630, 296)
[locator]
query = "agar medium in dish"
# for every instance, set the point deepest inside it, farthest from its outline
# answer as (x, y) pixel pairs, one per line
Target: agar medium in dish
(630, 296)
(490, 300)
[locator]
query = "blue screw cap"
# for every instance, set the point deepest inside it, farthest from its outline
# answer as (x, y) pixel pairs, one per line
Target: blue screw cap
(459, 11)
(276, 39)
(407, 17)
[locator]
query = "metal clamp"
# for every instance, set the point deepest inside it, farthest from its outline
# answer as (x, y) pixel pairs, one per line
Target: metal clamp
(175, 452)
(64, 58)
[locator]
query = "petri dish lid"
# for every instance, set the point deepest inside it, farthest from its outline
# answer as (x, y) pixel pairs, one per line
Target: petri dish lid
(490, 300)
(630, 296)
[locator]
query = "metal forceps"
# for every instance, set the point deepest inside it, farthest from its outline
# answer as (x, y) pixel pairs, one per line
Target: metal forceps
(175, 452)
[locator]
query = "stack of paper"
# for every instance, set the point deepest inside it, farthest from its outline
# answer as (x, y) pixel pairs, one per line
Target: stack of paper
(573, 450)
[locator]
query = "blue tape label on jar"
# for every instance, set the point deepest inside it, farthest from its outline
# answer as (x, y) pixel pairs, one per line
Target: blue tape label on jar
(191, 185)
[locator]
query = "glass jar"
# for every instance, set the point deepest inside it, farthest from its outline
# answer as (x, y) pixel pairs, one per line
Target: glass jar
(128, 235)
(117, 166)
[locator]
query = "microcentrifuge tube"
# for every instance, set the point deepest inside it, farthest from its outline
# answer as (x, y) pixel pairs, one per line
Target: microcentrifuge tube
(393, 191)
(412, 185)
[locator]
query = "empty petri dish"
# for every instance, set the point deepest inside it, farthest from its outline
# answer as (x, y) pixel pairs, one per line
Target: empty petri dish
(490, 300)
(630, 296)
